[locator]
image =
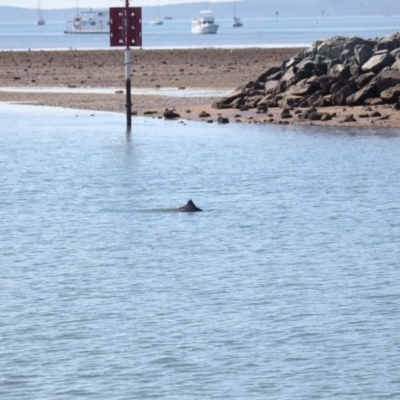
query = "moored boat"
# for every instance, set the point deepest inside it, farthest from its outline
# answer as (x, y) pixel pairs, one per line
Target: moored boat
(236, 23)
(89, 22)
(39, 19)
(204, 23)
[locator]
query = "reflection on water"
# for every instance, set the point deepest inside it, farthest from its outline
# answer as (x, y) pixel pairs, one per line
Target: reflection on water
(286, 287)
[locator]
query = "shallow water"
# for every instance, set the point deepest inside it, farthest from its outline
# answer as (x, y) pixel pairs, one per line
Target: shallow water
(286, 286)
(175, 92)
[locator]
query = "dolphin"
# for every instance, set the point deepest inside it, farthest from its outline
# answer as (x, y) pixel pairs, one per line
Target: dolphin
(189, 207)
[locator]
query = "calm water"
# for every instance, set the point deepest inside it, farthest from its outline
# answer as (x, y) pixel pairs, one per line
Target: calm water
(176, 33)
(286, 287)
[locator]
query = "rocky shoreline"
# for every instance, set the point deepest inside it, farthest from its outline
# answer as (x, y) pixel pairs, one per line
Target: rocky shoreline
(197, 68)
(334, 74)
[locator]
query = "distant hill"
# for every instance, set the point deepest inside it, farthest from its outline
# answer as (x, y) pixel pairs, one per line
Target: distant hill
(244, 8)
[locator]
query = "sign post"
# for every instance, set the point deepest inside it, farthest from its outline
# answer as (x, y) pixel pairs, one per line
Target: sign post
(126, 31)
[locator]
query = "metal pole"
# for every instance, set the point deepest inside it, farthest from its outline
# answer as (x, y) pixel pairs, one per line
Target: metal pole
(128, 87)
(128, 75)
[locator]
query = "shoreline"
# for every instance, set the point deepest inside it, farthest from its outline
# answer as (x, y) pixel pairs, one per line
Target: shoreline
(218, 69)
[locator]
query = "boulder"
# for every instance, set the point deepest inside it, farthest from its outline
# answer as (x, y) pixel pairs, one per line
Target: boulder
(342, 95)
(396, 65)
(339, 71)
(364, 79)
(171, 115)
(364, 93)
(222, 120)
(290, 101)
(263, 77)
(391, 95)
(204, 114)
(395, 53)
(272, 87)
(333, 47)
(314, 100)
(386, 79)
(362, 54)
(388, 43)
(338, 85)
(377, 63)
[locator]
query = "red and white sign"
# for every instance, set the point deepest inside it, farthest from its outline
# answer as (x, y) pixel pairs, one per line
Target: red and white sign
(125, 27)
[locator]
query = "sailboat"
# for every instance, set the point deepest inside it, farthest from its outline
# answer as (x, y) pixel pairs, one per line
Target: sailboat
(39, 19)
(157, 20)
(236, 23)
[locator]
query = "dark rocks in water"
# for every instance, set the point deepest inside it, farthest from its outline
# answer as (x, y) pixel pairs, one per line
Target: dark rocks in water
(189, 207)
(171, 115)
(222, 120)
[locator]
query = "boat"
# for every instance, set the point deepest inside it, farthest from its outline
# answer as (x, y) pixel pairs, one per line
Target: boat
(157, 20)
(92, 21)
(204, 23)
(236, 23)
(168, 18)
(39, 19)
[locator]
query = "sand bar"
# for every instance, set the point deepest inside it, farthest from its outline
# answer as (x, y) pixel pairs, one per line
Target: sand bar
(155, 71)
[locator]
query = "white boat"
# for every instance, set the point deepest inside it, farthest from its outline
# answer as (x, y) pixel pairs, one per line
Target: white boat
(87, 22)
(39, 19)
(204, 23)
(157, 20)
(236, 23)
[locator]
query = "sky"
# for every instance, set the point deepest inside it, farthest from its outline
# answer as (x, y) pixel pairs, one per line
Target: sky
(48, 4)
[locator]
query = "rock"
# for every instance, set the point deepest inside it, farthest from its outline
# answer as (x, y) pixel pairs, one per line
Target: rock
(271, 71)
(376, 114)
(364, 93)
(362, 54)
(244, 108)
(386, 79)
(272, 87)
(339, 71)
(290, 101)
(204, 114)
(342, 95)
(300, 89)
(391, 95)
(395, 53)
(396, 106)
(171, 115)
(338, 85)
(377, 63)
(363, 116)
(220, 105)
(373, 102)
(396, 65)
(222, 120)
(326, 117)
(388, 43)
(349, 118)
(332, 48)
(364, 79)
(314, 116)
(314, 100)
(237, 103)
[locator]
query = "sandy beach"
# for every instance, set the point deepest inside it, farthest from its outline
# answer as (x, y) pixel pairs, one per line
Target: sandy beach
(181, 70)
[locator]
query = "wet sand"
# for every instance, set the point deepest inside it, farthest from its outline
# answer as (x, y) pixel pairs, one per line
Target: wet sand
(182, 68)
